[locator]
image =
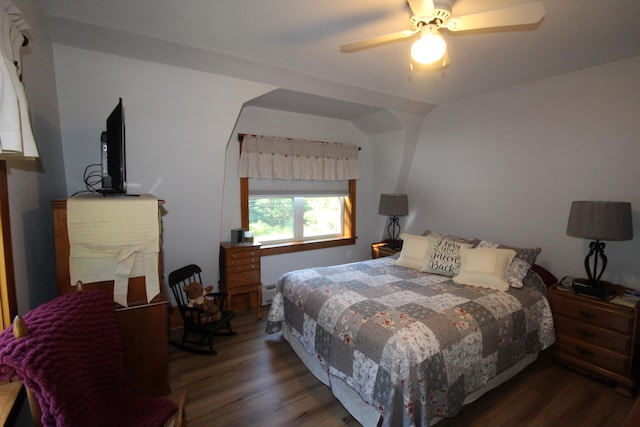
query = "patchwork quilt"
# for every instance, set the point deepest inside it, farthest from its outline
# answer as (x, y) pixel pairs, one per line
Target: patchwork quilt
(412, 344)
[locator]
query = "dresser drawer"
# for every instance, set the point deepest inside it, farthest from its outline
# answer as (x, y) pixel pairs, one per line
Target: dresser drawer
(597, 357)
(242, 279)
(234, 269)
(590, 334)
(252, 262)
(237, 253)
(614, 319)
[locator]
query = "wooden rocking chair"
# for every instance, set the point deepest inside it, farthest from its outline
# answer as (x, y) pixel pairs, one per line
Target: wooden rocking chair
(196, 320)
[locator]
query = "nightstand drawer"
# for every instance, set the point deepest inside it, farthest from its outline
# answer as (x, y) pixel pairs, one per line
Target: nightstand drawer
(600, 337)
(595, 356)
(616, 320)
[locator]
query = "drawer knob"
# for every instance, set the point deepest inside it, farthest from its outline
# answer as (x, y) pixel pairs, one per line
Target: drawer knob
(587, 314)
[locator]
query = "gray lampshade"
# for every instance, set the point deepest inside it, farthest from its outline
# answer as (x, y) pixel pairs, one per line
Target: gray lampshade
(393, 205)
(600, 220)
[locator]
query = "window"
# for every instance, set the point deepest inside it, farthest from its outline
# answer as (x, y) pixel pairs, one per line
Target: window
(297, 195)
(347, 223)
(280, 219)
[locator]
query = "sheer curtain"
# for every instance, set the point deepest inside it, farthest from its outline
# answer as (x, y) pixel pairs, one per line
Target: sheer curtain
(16, 136)
(269, 157)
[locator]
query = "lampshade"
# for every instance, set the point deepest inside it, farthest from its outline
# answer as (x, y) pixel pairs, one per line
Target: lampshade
(394, 204)
(600, 220)
(430, 47)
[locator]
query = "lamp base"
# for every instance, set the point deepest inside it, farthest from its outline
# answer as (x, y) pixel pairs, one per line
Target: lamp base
(393, 229)
(596, 252)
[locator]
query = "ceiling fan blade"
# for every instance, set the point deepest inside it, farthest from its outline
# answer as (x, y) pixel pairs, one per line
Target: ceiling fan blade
(516, 15)
(422, 7)
(377, 41)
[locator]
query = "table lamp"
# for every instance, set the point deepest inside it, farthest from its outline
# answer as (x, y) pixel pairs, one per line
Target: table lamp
(599, 221)
(393, 205)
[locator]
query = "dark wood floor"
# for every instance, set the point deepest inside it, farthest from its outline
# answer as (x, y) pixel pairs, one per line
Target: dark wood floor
(257, 380)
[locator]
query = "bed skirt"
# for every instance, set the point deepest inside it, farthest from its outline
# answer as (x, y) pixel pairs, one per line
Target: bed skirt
(366, 414)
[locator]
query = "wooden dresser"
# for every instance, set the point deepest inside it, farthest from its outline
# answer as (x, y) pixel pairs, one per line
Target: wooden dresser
(143, 326)
(597, 337)
(240, 272)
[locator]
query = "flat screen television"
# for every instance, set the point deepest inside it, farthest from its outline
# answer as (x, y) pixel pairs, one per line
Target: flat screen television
(112, 151)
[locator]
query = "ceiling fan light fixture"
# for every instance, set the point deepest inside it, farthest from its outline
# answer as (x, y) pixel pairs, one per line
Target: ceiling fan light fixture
(430, 47)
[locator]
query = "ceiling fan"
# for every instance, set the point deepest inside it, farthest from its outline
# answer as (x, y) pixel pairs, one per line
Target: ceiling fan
(430, 16)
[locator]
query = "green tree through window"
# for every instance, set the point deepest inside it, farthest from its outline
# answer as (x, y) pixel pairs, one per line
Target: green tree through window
(295, 218)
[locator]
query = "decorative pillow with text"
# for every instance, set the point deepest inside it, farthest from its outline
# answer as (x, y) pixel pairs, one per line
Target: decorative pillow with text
(443, 256)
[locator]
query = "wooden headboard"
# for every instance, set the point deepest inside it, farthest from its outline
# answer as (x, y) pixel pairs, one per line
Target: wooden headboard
(547, 277)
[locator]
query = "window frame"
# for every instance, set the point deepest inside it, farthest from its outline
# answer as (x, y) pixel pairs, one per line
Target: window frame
(349, 225)
(349, 222)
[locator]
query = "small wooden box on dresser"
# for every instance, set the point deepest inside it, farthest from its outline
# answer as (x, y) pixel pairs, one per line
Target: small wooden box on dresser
(597, 337)
(240, 272)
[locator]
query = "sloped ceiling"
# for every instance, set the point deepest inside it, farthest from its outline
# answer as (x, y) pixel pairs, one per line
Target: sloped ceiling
(296, 46)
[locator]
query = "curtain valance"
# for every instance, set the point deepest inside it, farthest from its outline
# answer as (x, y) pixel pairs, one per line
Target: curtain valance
(16, 136)
(269, 157)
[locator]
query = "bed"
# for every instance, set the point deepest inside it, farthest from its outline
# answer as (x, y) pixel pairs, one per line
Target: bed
(401, 341)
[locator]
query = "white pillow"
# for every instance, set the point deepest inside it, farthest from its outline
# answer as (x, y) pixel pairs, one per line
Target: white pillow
(520, 264)
(443, 256)
(414, 251)
(485, 267)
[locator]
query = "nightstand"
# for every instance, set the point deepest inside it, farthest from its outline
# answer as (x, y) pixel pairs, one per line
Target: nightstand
(385, 248)
(597, 337)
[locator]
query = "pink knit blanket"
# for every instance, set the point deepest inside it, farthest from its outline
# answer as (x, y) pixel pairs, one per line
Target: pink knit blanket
(72, 360)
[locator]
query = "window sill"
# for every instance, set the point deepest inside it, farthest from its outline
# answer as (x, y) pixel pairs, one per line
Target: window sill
(285, 248)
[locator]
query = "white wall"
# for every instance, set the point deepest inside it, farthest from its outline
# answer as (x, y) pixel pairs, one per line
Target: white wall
(178, 122)
(34, 183)
(387, 151)
(181, 128)
(507, 165)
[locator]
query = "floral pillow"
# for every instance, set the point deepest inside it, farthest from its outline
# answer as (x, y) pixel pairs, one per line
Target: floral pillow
(521, 263)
